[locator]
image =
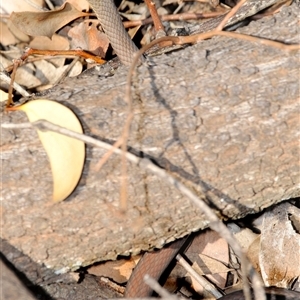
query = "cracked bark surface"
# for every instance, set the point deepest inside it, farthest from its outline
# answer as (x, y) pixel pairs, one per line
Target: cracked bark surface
(222, 116)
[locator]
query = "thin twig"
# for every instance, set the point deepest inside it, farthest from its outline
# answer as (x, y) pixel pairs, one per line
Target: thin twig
(174, 17)
(68, 53)
(5, 78)
(66, 71)
(159, 27)
(200, 279)
(12, 78)
(108, 154)
(230, 14)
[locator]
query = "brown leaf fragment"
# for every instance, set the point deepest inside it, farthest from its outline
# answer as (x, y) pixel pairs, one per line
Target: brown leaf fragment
(19, 35)
(279, 256)
(87, 37)
(57, 42)
(7, 37)
(45, 23)
(210, 255)
(119, 270)
(253, 253)
(7, 7)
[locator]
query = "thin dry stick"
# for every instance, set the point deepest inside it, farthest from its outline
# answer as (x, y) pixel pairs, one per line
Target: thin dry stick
(203, 36)
(230, 14)
(5, 78)
(66, 71)
(200, 279)
(108, 154)
(125, 134)
(159, 27)
(214, 222)
(16, 63)
(65, 53)
(175, 17)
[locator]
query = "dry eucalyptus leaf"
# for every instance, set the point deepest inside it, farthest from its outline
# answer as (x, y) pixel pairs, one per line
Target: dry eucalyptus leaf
(279, 255)
(244, 236)
(7, 7)
(6, 37)
(45, 23)
(57, 42)
(86, 36)
(213, 269)
(210, 254)
(19, 35)
(66, 154)
(119, 271)
(253, 253)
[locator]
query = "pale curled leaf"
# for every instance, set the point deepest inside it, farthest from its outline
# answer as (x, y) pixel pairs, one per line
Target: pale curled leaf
(45, 23)
(87, 36)
(279, 253)
(66, 154)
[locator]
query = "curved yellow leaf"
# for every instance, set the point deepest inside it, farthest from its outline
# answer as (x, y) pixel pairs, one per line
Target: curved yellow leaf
(66, 154)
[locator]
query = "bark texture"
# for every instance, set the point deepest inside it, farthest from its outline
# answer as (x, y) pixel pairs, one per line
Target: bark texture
(11, 287)
(222, 116)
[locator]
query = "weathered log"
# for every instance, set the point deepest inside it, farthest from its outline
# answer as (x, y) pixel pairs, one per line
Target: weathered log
(221, 116)
(11, 287)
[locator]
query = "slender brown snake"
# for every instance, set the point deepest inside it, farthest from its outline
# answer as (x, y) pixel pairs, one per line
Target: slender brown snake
(110, 20)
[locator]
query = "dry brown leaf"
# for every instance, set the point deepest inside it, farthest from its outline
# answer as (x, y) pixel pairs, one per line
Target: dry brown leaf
(253, 253)
(45, 23)
(209, 266)
(211, 255)
(279, 255)
(244, 236)
(119, 270)
(19, 35)
(87, 37)
(7, 37)
(7, 7)
(57, 42)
